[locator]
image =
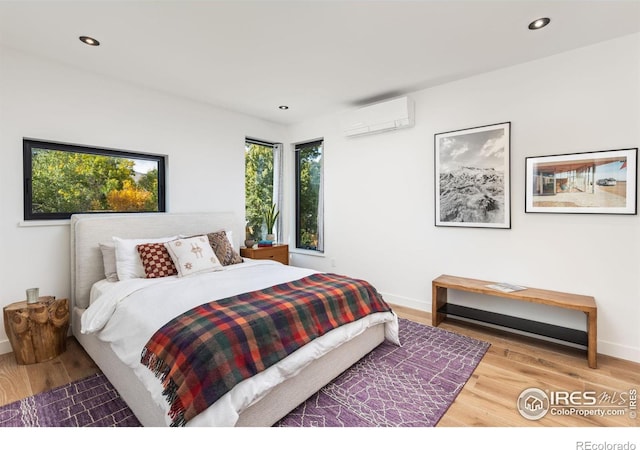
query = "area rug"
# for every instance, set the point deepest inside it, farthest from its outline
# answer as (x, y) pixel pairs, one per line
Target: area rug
(408, 386)
(90, 402)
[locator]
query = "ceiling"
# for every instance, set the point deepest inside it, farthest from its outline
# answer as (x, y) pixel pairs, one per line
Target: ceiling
(317, 57)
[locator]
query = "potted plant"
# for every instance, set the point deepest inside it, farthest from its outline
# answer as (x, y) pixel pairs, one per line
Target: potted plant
(270, 216)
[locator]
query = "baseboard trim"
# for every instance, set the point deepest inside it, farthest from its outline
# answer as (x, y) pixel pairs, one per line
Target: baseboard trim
(619, 351)
(418, 305)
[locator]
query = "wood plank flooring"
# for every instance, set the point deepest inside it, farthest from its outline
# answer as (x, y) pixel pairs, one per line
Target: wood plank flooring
(18, 382)
(512, 364)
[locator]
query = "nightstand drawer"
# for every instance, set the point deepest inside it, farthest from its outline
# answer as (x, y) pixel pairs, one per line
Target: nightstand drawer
(277, 252)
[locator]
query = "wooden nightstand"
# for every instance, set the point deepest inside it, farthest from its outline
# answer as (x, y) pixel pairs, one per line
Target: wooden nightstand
(37, 331)
(277, 252)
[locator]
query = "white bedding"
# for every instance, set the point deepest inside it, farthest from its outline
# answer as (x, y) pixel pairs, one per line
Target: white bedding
(127, 313)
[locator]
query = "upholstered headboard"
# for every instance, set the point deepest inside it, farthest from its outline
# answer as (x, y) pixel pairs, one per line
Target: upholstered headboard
(89, 230)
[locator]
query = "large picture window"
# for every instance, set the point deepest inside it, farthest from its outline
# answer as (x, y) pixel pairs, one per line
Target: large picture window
(309, 196)
(63, 179)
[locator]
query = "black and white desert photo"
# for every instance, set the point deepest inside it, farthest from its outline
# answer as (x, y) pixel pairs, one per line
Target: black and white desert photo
(472, 177)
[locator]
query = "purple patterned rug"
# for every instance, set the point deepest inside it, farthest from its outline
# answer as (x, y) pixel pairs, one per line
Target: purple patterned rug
(408, 386)
(90, 402)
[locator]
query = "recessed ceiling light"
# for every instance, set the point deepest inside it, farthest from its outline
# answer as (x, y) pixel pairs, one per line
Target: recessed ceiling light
(539, 23)
(283, 107)
(89, 41)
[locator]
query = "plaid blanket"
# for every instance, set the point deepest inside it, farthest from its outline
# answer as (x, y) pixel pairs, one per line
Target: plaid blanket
(200, 355)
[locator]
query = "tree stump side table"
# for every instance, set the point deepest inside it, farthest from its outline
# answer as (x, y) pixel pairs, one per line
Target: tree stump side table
(37, 331)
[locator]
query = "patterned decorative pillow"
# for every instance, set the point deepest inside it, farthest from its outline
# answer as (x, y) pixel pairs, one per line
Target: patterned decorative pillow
(156, 261)
(193, 255)
(223, 249)
(128, 263)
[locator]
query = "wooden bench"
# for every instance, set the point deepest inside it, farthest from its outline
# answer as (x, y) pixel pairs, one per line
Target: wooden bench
(441, 309)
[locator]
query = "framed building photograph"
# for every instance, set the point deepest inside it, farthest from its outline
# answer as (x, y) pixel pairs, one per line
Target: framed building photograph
(602, 182)
(472, 172)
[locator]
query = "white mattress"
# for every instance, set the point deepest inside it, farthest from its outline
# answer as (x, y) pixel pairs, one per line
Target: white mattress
(127, 313)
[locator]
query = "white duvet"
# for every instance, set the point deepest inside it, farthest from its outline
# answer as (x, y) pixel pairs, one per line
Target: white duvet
(127, 313)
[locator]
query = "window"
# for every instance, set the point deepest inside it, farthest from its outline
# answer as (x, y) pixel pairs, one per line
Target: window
(309, 196)
(262, 182)
(63, 179)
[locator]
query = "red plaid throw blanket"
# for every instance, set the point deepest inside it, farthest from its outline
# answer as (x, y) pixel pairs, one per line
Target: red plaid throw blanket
(200, 355)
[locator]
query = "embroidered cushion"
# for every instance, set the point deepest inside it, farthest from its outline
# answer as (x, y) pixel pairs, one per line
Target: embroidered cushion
(193, 255)
(156, 261)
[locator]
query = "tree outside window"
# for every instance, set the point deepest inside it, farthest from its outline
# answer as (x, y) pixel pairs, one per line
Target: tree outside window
(309, 207)
(259, 186)
(62, 179)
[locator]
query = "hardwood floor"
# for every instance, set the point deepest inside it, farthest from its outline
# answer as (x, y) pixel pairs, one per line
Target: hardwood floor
(18, 381)
(513, 363)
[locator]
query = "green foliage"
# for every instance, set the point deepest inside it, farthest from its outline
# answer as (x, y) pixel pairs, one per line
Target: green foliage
(310, 167)
(258, 186)
(130, 199)
(270, 216)
(149, 183)
(80, 182)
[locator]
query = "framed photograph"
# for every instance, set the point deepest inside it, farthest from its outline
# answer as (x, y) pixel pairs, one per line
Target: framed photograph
(602, 182)
(472, 171)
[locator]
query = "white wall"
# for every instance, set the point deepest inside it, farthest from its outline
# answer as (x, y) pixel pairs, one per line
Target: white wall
(379, 202)
(44, 100)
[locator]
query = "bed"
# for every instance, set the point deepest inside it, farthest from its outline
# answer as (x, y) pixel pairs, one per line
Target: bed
(114, 327)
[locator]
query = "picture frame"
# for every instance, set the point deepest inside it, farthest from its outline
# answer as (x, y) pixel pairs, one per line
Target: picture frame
(472, 177)
(600, 182)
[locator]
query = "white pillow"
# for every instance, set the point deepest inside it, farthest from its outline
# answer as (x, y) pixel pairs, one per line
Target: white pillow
(193, 255)
(128, 263)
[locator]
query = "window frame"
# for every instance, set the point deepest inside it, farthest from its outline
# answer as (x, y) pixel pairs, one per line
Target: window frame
(27, 152)
(297, 148)
(276, 183)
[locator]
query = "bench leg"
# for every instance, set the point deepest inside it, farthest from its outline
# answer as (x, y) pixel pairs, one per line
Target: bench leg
(592, 334)
(439, 299)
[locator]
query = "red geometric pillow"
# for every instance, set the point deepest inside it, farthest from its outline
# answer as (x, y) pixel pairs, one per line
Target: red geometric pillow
(156, 260)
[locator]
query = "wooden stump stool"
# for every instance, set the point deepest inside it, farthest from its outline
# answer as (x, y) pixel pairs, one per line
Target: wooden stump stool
(37, 331)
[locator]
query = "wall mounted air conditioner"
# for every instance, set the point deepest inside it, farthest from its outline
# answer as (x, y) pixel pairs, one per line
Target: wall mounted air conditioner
(382, 116)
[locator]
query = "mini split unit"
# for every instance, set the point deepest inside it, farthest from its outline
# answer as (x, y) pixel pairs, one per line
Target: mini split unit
(383, 116)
